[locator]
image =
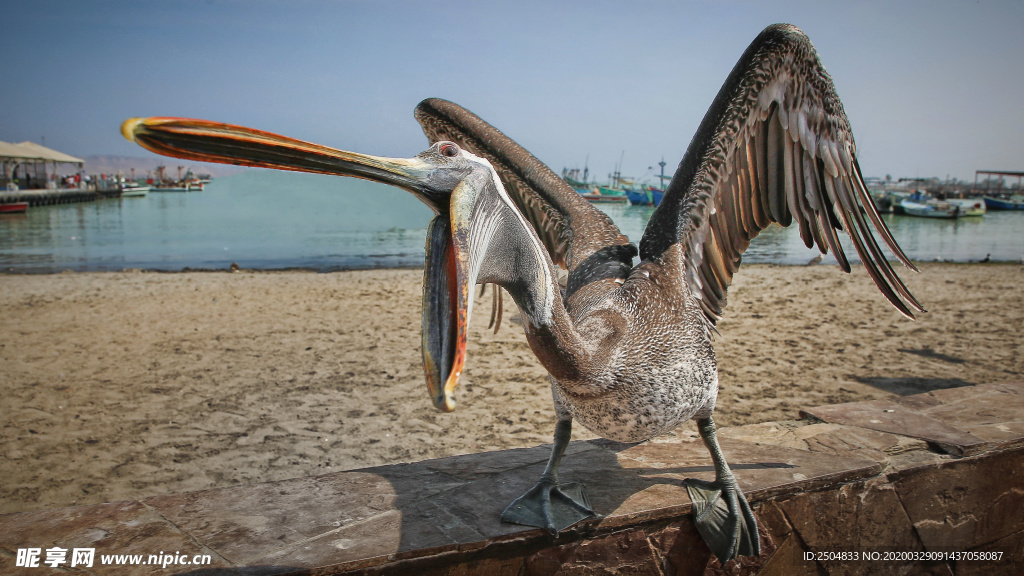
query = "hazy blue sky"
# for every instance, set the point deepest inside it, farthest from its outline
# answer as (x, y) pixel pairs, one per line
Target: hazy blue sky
(932, 88)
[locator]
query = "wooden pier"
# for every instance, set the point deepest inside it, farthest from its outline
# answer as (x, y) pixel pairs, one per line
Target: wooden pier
(53, 196)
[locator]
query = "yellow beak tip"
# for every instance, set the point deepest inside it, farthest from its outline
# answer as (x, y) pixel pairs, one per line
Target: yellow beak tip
(128, 128)
(445, 403)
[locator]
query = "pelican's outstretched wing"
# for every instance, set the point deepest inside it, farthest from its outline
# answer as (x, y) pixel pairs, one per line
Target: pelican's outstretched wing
(571, 229)
(775, 146)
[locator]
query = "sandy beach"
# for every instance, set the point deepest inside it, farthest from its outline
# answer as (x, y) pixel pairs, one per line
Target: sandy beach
(131, 384)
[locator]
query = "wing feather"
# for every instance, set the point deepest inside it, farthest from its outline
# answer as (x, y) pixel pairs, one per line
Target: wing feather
(776, 166)
(758, 204)
(761, 160)
(775, 147)
(824, 208)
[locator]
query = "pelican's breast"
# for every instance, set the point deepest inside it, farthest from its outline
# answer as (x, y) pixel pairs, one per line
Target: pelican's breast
(658, 369)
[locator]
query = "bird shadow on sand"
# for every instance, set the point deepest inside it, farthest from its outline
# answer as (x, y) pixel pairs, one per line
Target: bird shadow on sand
(916, 385)
(911, 386)
(929, 353)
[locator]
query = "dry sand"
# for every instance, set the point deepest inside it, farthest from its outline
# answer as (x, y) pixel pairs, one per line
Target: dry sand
(126, 385)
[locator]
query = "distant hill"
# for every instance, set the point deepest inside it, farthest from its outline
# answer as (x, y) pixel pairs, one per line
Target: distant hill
(124, 164)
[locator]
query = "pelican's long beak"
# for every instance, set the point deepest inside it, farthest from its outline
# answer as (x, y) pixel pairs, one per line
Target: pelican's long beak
(229, 144)
(448, 274)
(444, 327)
(457, 245)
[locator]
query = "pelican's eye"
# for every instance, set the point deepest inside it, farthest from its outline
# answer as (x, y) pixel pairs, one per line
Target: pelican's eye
(449, 149)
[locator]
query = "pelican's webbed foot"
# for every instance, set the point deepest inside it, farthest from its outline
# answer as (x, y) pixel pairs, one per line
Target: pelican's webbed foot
(720, 511)
(549, 504)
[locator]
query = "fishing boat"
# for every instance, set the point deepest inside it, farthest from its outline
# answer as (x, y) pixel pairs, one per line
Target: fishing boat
(179, 188)
(575, 183)
(656, 195)
(969, 206)
(883, 202)
(13, 207)
(607, 199)
(130, 189)
(592, 193)
(618, 192)
(596, 196)
(1000, 199)
(930, 210)
(609, 191)
(1015, 202)
(639, 197)
(186, 183)
(646, 196)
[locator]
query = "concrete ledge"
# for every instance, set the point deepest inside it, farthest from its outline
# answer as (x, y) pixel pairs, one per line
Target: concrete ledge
(935, 472)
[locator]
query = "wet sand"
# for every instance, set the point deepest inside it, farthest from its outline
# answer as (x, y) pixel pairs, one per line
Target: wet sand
(127, 385)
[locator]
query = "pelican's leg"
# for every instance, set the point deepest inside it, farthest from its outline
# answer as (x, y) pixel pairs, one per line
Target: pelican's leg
(549, 504)
(720, 510)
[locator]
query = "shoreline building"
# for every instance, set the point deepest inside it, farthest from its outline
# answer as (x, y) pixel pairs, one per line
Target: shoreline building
(28, 166)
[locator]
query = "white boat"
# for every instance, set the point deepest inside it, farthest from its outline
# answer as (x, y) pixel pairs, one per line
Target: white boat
(134, 189)
(969, 206)
(931, 209)
(178, 188)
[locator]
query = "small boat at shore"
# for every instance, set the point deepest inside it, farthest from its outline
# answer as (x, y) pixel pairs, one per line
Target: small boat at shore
(1015, 202)
(13, 207)
(930, 210)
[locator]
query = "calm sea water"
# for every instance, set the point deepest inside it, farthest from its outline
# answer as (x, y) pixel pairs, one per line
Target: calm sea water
(270, 220)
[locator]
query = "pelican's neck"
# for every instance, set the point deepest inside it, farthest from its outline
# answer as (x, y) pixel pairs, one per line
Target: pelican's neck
(549, 328)
(512, 256)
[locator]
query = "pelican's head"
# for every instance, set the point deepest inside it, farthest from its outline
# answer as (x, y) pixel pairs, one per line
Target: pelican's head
(456, 184)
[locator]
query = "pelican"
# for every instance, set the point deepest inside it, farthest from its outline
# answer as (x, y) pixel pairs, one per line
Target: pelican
(628, 345)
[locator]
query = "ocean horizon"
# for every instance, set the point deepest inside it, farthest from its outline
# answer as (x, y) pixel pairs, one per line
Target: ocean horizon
(271, 220)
